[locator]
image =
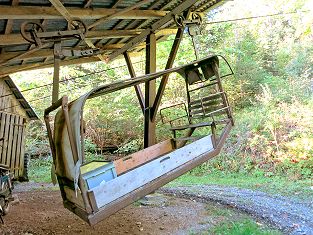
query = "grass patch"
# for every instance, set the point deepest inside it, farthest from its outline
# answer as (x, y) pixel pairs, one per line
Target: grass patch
(244, 227)
(40, 169)
(273, 185)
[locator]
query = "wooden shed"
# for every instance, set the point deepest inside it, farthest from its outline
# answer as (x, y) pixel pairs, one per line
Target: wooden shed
(15, 112)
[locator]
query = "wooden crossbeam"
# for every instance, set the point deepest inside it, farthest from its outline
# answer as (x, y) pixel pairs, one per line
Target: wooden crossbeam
(17, 39)
(32, 13)
(17, 68)
(43, 53)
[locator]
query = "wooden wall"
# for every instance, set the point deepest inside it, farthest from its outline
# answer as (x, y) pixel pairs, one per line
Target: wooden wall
(12, 128)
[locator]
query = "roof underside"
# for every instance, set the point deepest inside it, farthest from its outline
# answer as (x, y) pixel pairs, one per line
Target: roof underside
(20, 98)
(120, 25)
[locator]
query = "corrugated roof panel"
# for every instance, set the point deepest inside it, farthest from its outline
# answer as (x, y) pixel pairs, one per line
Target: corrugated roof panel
(32, 61)
(23, 47)
(54, 25)
(73, 3)
(107, 25)
(34, 3)
(128, 3)
(5, 2)
(15, 62)
(99, 3)
(70, 43)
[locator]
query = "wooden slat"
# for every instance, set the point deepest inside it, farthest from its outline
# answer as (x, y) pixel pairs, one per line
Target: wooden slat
(206, 104)
(19, 141)
(134, 160)
(6, 137)
(207, 110)
(10, 140)
(2, 125)
(21, 158)
(1, 94)
(14, 156)
(207, 98)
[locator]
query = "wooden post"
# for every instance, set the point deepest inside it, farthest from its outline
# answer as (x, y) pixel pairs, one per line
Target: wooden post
(56, 72)
(150, 91)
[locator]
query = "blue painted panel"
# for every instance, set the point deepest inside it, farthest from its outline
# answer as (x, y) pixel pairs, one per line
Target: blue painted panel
(98, 172)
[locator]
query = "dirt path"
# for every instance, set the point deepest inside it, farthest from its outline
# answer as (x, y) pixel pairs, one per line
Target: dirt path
(289, 215)
(40, 211)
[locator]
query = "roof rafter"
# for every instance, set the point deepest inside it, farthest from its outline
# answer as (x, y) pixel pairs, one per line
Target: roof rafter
(157, 25)
(32, 13)
(120, 12)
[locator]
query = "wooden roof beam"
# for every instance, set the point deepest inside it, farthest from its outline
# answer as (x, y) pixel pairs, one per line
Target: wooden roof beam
(49, 52)
(32, 13)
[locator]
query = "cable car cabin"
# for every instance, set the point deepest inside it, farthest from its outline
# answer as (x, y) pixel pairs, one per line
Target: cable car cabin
(94, 190)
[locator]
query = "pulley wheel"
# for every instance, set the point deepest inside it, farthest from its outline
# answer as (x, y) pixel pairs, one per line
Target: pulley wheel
(29, 30)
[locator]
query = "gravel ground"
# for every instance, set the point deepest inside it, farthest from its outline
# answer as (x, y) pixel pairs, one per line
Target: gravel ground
(289, 215)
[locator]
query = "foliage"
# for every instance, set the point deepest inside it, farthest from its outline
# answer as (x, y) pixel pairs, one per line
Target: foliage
(301, 188)
(40, 169)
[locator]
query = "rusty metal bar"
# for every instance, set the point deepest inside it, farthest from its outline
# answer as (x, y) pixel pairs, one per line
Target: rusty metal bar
(137, 87)
(56, 72)
(169, 64)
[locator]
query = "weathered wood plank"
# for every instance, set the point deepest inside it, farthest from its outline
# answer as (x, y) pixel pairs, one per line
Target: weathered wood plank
(134, 160)
(21, 158)
(140, 176)
(14, 144)
(2, 124)
(10, 141)
(19, 141)
(6, 137)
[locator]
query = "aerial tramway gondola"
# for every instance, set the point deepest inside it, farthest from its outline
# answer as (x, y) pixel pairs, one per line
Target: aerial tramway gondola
(94, 190)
